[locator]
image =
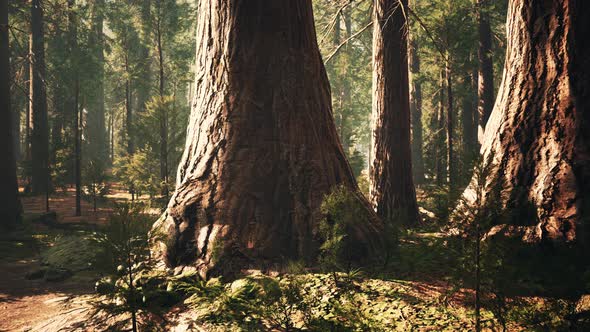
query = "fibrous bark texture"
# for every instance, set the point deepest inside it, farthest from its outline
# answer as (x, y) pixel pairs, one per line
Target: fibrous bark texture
(262, 149)
(538, 134)
(9, 203)
(392, 188)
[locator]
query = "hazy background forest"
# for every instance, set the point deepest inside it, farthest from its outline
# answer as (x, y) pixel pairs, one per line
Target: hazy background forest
(103, 59)
(122, 139)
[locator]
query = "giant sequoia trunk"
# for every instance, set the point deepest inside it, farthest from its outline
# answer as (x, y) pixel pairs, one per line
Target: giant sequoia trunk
(538, 134)
(392, 188)
(9, 204)
(262, 149)
(38, 98)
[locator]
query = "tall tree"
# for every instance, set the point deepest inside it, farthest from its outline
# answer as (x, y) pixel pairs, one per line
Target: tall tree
(9, 203)
(97, 133)
(451, 162)
(164, 112)
(75, 100)
(416, 111)
(485, 88)
(143, 80)
(391, 185)
(262, 149)
(129, 125)
(345, 132)
(38, 98)
(469, 121)
(439, 127)
(537, 136)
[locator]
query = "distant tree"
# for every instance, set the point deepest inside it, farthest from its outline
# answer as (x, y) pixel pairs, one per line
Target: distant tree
(75, 101)
(38, 97)
(96, 129)
(485, 88)
(392, 188)
(469, 124)
(416, 110)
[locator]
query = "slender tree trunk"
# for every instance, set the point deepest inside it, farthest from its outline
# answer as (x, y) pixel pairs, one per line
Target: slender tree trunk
(438, 137)
(392, 189)
(58, 118)
(98, 146)
(75, 105)
(128, 107)
(142, 85)
(28, 126)
(78, 148)
(337, 82)
(112, 137)
(129, 118)
(469, 125)
(485, 89)
(16, 118)
(164, 110)
(9, 202)
(61, 96)
(416, 111)
(451, 162)
(537, 137)
(346, 111)
(40, 132)
(261, 149)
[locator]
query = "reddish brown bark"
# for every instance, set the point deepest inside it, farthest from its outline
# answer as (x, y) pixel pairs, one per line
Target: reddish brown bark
(538, 134)
(262, 149)
(392, 188)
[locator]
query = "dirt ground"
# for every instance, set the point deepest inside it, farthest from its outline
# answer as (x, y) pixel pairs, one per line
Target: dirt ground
(26, 303)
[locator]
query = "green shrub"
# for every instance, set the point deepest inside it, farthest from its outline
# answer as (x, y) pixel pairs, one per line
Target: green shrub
(96, 185)
(343, 212)
(139, 172)
(135, 286)
(73, 252)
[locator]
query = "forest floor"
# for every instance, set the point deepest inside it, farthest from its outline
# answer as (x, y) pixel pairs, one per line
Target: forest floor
(25, 302)
(421, 296)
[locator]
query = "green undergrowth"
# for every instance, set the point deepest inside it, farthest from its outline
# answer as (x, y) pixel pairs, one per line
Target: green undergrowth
(74, 252)
(314, 302)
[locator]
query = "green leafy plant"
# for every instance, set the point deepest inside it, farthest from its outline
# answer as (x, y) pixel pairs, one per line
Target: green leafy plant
(96, 185)
(139, 172)
(135, 286)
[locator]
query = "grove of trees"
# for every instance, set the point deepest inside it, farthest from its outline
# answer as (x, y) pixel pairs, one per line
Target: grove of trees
(331, 136)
